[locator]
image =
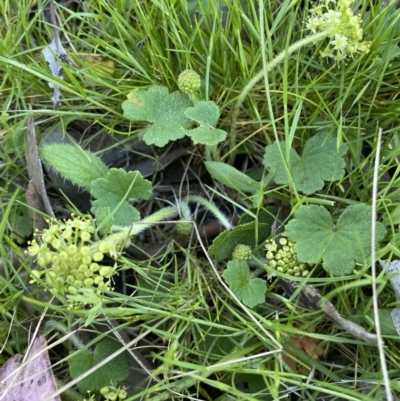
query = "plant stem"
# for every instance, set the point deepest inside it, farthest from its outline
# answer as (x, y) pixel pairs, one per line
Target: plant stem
(211, 153)
(212, 208)
(274, 62)
(163, 214)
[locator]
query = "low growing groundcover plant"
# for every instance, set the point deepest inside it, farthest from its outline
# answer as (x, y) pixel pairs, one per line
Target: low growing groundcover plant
(220, 182)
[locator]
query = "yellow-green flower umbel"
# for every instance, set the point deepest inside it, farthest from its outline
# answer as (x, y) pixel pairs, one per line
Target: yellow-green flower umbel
(337, 19)
(282, 258)
(69, 259)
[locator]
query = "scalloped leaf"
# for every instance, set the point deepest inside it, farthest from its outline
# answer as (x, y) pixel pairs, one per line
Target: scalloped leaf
(317, 238)
(115, 189)
(322, 160)
(206, 114)
(73, 163)
(164, 110)
(251, 291)
(207, 135)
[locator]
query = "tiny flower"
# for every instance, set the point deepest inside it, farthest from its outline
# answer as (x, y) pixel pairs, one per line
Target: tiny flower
(340, 42)
(72, 290)
(106, 271)
(94, 267)
(104, 390)
(72, 249)
(85, 236)
(88, 282)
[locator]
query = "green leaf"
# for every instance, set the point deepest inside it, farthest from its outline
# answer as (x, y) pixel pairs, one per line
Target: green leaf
(207, 135)
(386, 321)
(245, 234)
(250, 291)
(115, 189)
(249, 231)
(206, 114)
(231, 177)
(114, 371)
(322, 160)
(104, 219)
(73, 163)
(339, 245)
(164, 110)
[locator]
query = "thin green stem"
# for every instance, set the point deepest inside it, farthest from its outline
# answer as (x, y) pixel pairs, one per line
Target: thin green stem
(276, 61)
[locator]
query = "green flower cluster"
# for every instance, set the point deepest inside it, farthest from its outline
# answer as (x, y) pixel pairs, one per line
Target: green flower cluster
(184, 227)
(189, 81)
(342, 26)
(70, 259)
(283, 259)
(113, 394)
(241, 253)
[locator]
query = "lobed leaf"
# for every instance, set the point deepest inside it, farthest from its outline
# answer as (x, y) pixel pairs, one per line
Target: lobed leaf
(322, 160)
(206, 114)
(250, 291)
(207, 135)
(164, 110)
(115, 189)
(317, 238)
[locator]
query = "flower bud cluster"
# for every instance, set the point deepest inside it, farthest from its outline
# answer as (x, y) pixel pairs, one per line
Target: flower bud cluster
(283, 258)
(189, 81)
(242, 253)
(113, 394)
(68, 257)
(343, 28)
(184, 227)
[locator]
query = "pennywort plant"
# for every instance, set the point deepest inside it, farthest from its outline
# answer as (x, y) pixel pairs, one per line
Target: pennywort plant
(70, 253)
(172, 116)
(341, 243)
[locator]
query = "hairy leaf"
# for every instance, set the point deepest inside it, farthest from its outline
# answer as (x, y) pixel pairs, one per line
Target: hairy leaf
(165, 112)
(317, 238)
(73, 163)
(322, 160)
